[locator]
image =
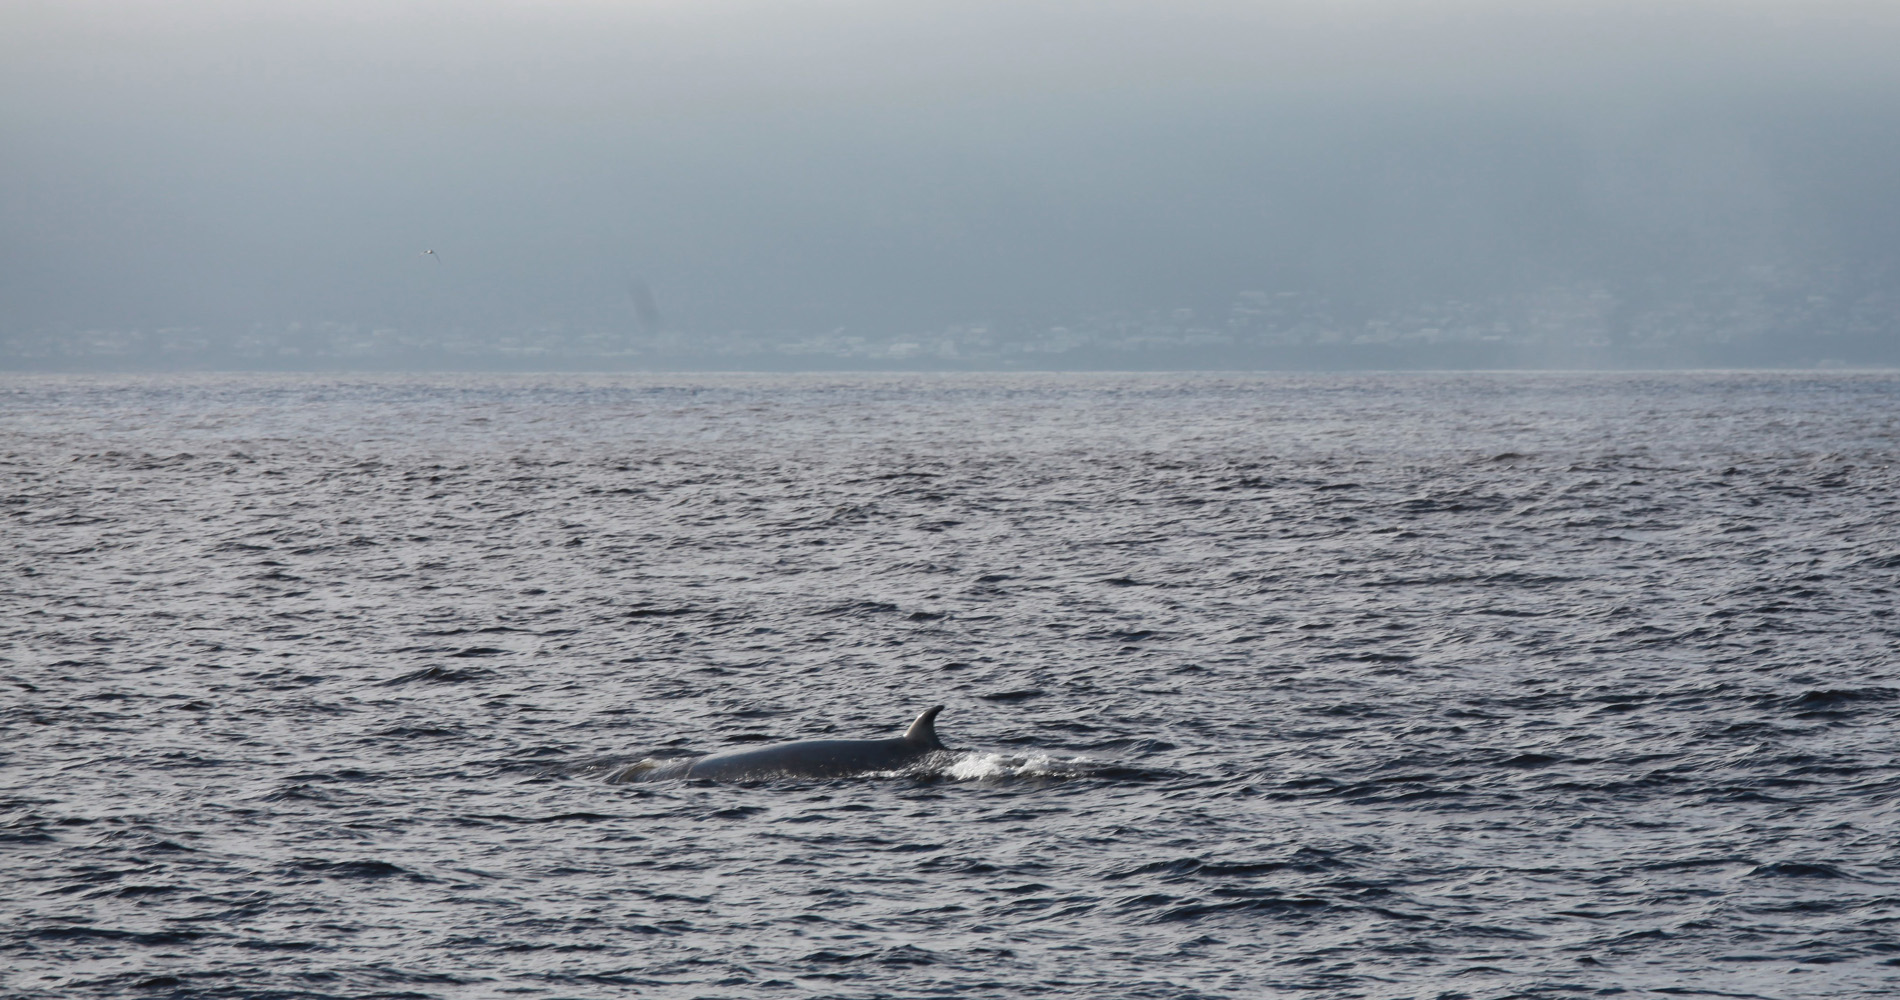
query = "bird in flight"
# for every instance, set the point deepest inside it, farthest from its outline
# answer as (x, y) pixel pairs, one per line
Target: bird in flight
(429, 254)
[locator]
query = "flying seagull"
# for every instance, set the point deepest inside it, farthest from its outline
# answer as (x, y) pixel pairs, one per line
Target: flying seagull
(429, 254)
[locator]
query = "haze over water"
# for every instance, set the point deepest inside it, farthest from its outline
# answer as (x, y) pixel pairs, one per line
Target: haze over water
(948, 184)
(1355, 686)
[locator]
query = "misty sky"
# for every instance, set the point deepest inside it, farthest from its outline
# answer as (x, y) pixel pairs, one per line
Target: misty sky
(879, 166)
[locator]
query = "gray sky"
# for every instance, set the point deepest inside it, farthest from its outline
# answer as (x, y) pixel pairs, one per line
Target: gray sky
(894, 167)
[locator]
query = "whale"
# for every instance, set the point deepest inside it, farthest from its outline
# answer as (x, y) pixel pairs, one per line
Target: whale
(803, 758)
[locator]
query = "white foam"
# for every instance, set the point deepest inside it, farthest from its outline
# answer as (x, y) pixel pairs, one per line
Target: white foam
(975, 766)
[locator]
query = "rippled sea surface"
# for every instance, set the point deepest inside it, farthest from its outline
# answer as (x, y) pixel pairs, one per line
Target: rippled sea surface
(1341, 686)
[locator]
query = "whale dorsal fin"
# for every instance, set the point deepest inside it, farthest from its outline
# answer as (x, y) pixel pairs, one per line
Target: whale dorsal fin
(923, 732)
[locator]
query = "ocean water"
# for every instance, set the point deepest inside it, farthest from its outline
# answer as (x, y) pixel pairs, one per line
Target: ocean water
(1502, 685)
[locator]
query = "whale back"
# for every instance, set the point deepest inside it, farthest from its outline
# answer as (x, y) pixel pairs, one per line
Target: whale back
(923, 732)
(808, 758)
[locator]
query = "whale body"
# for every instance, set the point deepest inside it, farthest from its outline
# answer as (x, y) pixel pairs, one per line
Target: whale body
(804, 758)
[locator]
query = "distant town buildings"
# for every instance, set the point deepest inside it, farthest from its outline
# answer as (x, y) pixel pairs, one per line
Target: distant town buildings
(1764, 316)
